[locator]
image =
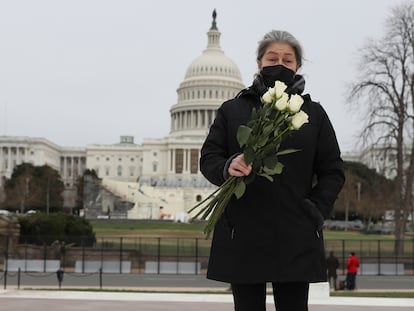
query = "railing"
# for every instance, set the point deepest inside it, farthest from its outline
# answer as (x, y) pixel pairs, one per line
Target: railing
(377, 257)
(125, 255)
(113, 255)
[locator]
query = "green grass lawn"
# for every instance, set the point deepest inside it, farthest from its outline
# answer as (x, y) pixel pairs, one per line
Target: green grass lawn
(147, 228)
(173, 229)
(113, 226)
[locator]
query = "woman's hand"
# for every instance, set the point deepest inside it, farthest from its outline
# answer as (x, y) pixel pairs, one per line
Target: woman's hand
(239, 168)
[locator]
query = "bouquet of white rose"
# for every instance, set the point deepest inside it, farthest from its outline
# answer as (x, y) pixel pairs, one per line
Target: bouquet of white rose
(260, 141)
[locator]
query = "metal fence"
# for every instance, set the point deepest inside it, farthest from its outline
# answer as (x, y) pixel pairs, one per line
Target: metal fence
(377, 257)
(126, 255)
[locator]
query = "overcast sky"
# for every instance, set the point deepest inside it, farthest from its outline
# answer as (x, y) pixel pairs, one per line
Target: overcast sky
(79, 72)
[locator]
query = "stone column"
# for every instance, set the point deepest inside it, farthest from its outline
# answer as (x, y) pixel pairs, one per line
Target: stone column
(79, 167)
(206, 120)
(9, 161)
(186, 162)
(65, 167)
(199, 118)
(1, 159)
(173, 161)
(169, 161)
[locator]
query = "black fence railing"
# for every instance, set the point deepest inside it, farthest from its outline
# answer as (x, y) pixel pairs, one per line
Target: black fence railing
(125, 255)
(377, 257)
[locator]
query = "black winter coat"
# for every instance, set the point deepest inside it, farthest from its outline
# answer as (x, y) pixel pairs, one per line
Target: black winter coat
(273, 232)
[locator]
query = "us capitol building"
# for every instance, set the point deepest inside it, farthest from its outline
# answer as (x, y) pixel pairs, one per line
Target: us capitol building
(159, 178)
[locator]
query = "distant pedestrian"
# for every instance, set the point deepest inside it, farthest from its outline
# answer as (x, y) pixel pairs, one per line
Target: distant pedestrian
(332, 264)
(352, 266)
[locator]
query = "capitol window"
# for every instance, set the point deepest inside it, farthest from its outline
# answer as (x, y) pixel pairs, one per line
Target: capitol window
(179, 161)
(194, 156)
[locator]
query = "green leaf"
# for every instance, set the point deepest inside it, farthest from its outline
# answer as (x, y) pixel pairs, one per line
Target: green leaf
(267, 176)
(287, 151)
(270, 149)
(267, 129)
(243, 134)
(262, 141)
(249, 155)
(276, 170)
(270, 161)
(254, 114)
(240, 189)
(257, 164)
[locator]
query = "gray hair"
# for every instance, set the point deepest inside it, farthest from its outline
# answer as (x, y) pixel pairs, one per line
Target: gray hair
(276, 36)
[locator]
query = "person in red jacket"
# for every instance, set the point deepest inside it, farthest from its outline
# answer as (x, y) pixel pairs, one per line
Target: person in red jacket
(352, 266)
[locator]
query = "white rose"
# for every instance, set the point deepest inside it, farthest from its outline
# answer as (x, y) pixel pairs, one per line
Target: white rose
(267, 97)
(299, 119)
(282, 102)
(295, 103)
(272, 91)
(280, 88)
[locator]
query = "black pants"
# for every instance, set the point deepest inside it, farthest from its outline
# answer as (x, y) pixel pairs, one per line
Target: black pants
(287, 296)
(332, 280)
(350, 280)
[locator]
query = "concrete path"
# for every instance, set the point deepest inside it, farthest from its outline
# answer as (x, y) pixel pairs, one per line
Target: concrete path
(66, 300)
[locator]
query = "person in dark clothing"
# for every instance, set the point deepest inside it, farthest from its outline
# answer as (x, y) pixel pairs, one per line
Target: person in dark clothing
(273, 233)
(332, 264)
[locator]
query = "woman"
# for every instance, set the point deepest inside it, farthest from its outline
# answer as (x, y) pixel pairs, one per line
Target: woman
(273, 232)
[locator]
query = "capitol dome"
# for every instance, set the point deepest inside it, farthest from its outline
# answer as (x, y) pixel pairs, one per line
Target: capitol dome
(210, 79)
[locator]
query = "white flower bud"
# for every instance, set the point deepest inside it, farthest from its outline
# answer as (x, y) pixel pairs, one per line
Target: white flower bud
(295, 103)
(299, 119)
(282, 102)
(267, 97)
(280, 88)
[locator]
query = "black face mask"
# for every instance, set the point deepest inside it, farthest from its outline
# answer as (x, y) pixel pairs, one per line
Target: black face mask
(270, 74)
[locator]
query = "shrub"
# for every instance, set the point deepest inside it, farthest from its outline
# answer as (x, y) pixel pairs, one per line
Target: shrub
(42, 229)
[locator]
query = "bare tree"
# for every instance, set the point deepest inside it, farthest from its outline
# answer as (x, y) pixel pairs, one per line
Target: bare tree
(385, 93)
(34, 187)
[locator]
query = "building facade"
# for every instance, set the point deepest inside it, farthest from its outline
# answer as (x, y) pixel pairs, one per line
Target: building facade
(161, 176)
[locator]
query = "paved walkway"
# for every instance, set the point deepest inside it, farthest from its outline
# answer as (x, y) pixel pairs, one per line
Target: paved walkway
(66, 300)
